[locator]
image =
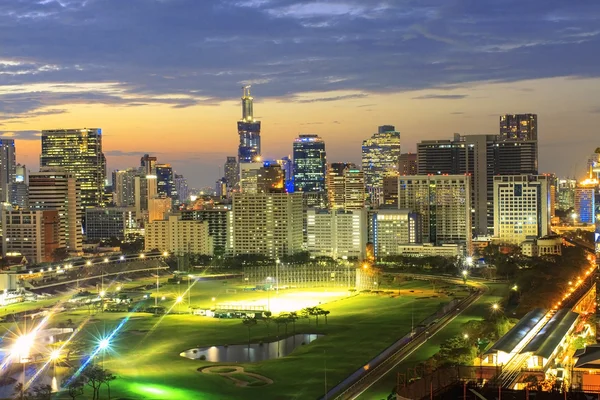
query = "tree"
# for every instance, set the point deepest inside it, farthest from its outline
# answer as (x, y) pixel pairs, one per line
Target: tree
(249, 323)
(42, 392)
(325, 313)
(305, 313)
(20, 392)
(282, 320)
(293, 316)
(96, 376)
(75, 387)
(60, 254)
(267, 319)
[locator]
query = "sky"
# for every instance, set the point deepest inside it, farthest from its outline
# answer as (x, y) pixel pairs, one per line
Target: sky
(164, 77)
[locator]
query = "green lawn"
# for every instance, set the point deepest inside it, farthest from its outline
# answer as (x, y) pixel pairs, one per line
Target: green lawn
(477, 311)
(145, 352)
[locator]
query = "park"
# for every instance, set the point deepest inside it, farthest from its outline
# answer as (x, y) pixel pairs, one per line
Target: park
(287, 353)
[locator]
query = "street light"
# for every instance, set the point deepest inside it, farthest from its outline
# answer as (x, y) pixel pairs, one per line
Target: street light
(268, 294)
(178, 301)
(469, 261)
(277, 261)
(103, 345)
(466, 336)
(495, 307)
(515, 287)
(106, 260)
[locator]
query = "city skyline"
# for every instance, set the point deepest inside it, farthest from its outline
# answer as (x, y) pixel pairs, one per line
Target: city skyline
(336, 70)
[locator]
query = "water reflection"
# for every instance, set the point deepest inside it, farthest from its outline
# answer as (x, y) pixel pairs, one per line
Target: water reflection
(254, 353)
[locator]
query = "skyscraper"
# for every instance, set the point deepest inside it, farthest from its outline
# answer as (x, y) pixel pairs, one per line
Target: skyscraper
(148, 165)
(248, 129)
(19, 189)
(518, 127)
(165, 181)
(310, 164)
(444, 203)
(79, 152)
(408, 164)
(181, 186)
(483, 157)
(380, 156)
(56, 189)
(335, 183)
(7, 168)
(124, 187)
(232, 173)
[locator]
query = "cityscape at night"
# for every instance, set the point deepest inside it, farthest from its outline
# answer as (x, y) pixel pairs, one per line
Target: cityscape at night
(294, 199)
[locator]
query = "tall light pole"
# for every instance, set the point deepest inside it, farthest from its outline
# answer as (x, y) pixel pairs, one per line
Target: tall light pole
(277, 276)
(190, 292)
(268, 294)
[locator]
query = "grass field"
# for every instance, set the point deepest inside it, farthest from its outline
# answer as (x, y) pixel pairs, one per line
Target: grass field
(145, 353)
(496, 291)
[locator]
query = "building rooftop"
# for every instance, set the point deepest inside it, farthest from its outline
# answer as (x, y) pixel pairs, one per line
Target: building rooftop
(550, 336)
(508, 342)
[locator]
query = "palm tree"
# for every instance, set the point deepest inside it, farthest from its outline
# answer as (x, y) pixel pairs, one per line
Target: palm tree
(325, 313)
(268, 319)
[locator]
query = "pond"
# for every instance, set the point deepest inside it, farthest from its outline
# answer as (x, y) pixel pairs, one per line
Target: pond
(255, 352)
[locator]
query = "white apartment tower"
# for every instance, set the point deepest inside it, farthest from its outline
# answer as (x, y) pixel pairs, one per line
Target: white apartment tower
(521, 207)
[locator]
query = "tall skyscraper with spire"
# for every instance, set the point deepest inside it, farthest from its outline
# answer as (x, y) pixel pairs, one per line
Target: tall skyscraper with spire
(249, 130)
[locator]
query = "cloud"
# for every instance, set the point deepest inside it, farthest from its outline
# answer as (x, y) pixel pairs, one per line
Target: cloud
(22, 135)
(595, 110)
(457, 113)
(441, 97)
(333, 98)
(206, 49)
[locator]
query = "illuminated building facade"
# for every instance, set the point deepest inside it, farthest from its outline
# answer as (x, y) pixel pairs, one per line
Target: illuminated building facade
(8, 167)
(518, 127)
(217, 218)
(380, 157)
(521, 207)
(345, 187)
(19, 188)
(444, 202)
(232, 174)
(104, 223)
(269, 224)
(336, 233)
(181, 187)
(124, 187)
(179, 237)
(310, 164)
(165, 182)
(483, 157)
(249, 130)
(79, 152)
(35, 234)
(408, 164)
(389, 229)
(566, 194)
(585, 202)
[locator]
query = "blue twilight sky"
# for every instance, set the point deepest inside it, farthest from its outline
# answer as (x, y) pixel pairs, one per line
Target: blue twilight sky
(164, 76)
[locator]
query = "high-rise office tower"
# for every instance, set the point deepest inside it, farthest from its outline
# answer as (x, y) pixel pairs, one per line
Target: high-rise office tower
(585, 203)
(19, 189)
(380, 156)
(521, 207)
(148, 165)
(8, 167)
(57, 189)
(217, 217)
(79, 152)
(566, 194)
(268, 224)
(444, 203)
(263, 177)
(483, 157)
(336, 184)
(354, 189)
(518, 127)
(408, 164)
(181, 186)
(124, 187)
(165, 181)
(232, 174)
(249, 130)
(310, 164)
(287, 165)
